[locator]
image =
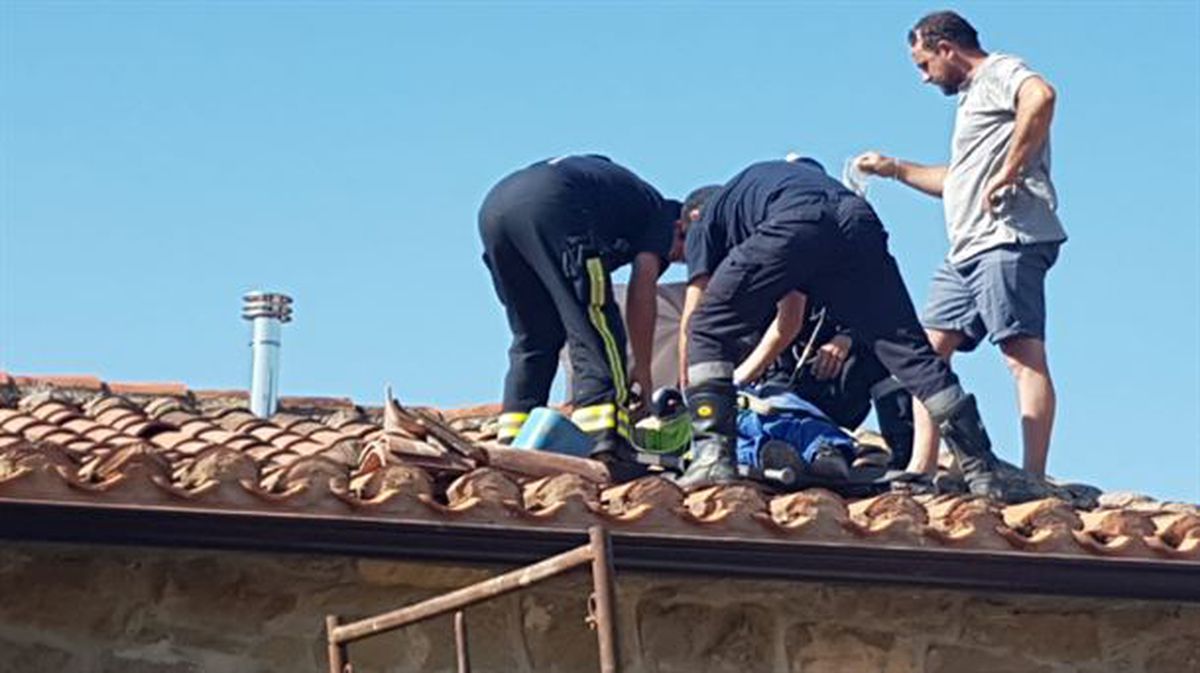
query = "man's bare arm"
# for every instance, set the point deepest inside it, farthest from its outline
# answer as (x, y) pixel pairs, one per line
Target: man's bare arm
(691, 299)
(1035, 110)
(641, 310)
(927, 179)
(789, 318)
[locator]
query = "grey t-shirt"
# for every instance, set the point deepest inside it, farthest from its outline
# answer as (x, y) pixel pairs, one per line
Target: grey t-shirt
(983, 129)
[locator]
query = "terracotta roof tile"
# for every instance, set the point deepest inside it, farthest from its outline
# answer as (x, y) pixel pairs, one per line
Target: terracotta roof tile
(77, 439)
(148, 388)
(731, 509)
(892, 518)
(90, 383)
(969, 522)
(815, 513)
(653, 504)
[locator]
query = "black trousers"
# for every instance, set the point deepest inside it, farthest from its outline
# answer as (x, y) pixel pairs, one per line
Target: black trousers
(834, 250)
(845, 398)
(545, 263)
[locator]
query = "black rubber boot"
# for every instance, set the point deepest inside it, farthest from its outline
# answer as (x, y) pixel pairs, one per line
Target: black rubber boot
(895, 415)
(713, 405)
(963, 431)
(618, 454)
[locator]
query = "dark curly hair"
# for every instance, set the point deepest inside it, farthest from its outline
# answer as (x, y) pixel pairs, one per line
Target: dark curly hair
(699, 198)
(947, 26)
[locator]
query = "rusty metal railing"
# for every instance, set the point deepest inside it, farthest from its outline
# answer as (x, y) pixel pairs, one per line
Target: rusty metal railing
(601, 608)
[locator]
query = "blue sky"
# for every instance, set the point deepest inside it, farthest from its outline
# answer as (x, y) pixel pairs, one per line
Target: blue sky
(157, 160)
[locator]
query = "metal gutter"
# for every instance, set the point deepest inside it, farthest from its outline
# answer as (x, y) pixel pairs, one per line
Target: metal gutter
(713, 556)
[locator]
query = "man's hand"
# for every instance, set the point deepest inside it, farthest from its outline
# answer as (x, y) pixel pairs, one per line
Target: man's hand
(1035, 110)
(641, 381)
(999, 187)
(928, 179)
(746, 373)
(829, 358)
(876, 164)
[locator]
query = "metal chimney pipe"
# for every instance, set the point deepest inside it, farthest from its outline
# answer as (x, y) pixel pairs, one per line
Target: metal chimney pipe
(267, 311)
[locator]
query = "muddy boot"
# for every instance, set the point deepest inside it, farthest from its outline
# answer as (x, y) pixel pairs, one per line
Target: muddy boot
(713, 406)
(963, 431)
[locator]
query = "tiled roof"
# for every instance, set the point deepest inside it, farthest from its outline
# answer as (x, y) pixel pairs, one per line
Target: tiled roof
(79, 440)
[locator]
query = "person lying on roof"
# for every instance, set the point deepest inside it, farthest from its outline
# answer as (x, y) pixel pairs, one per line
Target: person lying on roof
(552, 233)
(836, 372)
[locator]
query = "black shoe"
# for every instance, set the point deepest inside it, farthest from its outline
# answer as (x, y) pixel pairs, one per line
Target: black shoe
(914, 483)
(829, 463)
(713, 405)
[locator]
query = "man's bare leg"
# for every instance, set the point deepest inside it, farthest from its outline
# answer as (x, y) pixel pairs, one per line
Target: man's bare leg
(926, 436)
(1026, 359)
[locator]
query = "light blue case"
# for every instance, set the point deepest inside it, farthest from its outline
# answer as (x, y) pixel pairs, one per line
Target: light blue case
(548, 430)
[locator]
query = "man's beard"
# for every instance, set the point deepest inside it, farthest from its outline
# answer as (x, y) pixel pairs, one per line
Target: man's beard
(953, 83)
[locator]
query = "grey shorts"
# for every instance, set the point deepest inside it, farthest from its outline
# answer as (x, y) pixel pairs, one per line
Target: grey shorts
(999, 293)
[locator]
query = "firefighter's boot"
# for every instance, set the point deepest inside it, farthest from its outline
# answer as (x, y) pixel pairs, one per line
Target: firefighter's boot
(963, 431)
(713, 405)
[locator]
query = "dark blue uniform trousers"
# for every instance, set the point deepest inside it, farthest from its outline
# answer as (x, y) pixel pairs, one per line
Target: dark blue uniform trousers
(546, 266)
(834, 250)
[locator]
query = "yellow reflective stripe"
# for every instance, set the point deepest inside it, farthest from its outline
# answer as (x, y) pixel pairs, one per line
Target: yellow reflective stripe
(624, 427)
(597, 278)
(510, 424)
(596, 417)
(600, 417)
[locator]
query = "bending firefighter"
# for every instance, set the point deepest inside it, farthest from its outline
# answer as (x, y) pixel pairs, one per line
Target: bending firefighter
(552, 233)
(777, 230)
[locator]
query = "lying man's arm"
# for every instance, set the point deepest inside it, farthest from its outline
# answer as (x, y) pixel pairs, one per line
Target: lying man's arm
(641, 309)
(789, 319)
(691, 299)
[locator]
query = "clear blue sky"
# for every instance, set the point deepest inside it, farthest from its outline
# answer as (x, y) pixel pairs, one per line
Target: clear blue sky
(159, 159)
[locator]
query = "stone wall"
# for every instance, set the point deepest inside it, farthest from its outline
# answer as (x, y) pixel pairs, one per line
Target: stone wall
(74, 609)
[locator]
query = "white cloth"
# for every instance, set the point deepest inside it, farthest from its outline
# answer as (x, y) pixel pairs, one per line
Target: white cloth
(664, 364)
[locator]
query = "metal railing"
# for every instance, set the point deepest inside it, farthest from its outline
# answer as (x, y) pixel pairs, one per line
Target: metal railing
(601, 608)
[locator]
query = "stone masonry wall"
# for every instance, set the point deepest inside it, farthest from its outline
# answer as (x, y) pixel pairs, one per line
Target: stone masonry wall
(75, 609)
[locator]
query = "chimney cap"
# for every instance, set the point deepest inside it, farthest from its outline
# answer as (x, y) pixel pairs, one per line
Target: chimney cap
(259, 304)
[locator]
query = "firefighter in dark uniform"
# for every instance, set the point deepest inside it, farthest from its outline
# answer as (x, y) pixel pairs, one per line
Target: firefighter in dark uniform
(552, 233)
(779, 229)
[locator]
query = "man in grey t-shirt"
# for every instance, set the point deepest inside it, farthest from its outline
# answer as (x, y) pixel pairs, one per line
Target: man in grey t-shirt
(1000, 217)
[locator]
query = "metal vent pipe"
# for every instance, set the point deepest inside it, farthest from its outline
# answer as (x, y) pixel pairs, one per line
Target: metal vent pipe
(267, 311)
